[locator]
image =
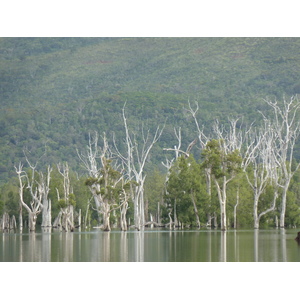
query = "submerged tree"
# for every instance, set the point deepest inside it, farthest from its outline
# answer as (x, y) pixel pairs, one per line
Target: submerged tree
(65, 218)
(261, 169)
(203, 140)
(170, 163)
(39, 190)
(286, 128)
(184, 192)
(134, 162)
(105, 182)
(224, 164)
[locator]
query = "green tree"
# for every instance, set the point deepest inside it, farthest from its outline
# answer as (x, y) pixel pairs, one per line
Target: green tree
(154, 191)
(224, 164)
(185, 192)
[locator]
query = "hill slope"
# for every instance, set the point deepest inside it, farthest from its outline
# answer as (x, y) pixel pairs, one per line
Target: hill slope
(53, 91)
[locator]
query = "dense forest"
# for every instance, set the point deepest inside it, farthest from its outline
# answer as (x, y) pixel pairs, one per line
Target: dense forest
(56, 93)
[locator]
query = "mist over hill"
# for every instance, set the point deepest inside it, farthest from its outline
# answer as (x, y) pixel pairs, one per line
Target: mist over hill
(54, 91)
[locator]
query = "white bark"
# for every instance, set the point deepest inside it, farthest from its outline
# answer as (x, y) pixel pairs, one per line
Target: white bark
(134, 161)
(230, 141)
(67, 212)
(286, 126)
(97, 162)
(235, 208)
(203, 139)
(5, 221)
(35, 206)
(44, 187)
(260, 155)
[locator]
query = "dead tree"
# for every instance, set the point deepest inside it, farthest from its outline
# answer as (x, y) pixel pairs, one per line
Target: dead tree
(35, 206)
(44, 188)
(222, 156)
(104, 179)
(284, 122)
(134, 161)
(203, 140)
(259, 155)
(5, 221)
(68, 202)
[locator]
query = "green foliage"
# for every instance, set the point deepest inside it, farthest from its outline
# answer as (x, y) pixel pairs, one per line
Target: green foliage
(154, 190)
(91, 180)
(220, 163)
(185, 184)
(72, 200)
(62, 203)
(1, 207)
(58, 89)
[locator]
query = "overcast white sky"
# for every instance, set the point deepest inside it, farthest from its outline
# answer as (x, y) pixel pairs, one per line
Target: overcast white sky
(149, 18)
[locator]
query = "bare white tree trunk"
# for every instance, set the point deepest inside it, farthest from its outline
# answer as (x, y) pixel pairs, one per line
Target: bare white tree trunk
(20, 220)
(260, 156)
(222, 195)
(229, 142)
(13, 223)
(44, 187)
(286, 126)
(203, 139)
(5, 222)
(67, 208)
(215, 220)
(35, 205)
(57, 222)
(134, 161)
(79, 218)
(123, 222)
(101, 181)
(235, 208)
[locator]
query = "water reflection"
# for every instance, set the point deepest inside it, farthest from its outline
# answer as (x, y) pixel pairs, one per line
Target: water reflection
(223, 253)
(283, 244)
(271, 246)
(46, 245)
(124, 247)
(151, 245)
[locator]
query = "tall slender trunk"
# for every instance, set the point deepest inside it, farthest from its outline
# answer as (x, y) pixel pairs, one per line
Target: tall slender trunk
(123, 221)
(283, 206)
(46, 213)
(235, 208)
(21, 220)
(215, 220)
(32, 216)
(106, 216)
(255, 212)
(79, 218)
(196, 211)
(208, 190)
(222, 201)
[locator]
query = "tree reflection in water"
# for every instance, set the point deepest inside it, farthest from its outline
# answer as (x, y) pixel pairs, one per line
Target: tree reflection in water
(151, 245)
(223, 248)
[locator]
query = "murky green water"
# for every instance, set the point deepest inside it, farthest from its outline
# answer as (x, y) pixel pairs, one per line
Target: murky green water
(152, 246)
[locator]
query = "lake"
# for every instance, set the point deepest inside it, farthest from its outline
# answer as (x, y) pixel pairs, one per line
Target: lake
(151, 245)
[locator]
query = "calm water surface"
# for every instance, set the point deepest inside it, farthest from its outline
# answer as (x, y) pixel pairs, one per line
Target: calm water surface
(276, 245)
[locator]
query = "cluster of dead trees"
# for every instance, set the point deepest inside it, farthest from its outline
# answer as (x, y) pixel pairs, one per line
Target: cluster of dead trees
(116, 179)
(38, 185)
(8, 223)
(265, 154)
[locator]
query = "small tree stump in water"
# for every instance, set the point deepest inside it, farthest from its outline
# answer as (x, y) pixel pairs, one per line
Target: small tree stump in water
(298, 237)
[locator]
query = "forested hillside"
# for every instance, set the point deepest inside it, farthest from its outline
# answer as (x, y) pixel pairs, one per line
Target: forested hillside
(54, 91)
